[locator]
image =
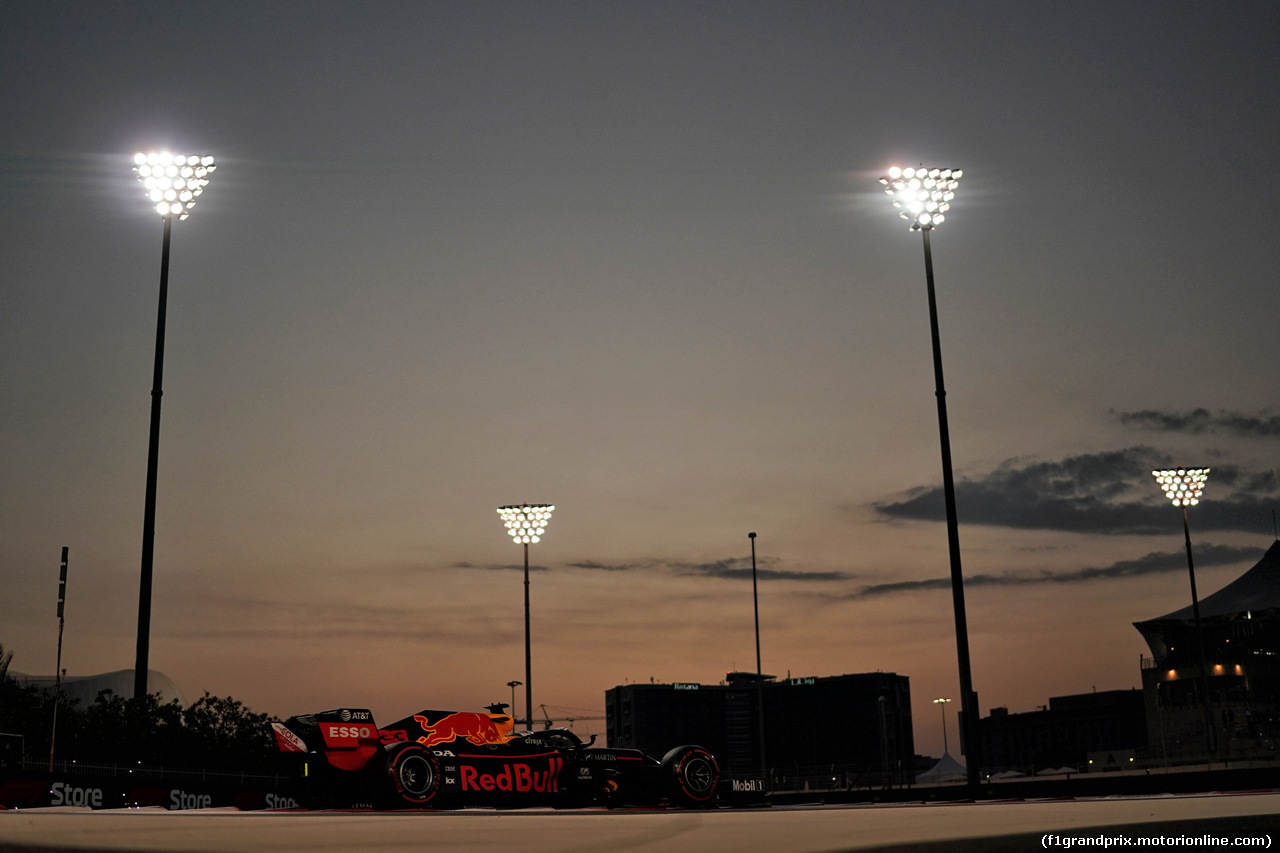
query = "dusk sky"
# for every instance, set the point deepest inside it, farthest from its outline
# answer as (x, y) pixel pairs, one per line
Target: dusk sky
(632, 259)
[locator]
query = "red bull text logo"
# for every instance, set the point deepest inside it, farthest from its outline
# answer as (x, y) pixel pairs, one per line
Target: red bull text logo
(478, 729)
(514, 776)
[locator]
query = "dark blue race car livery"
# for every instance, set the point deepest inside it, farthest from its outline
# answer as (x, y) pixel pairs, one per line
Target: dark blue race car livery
(443, 759)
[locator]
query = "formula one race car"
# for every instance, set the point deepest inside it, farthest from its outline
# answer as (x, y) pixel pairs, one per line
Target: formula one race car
(453, 759)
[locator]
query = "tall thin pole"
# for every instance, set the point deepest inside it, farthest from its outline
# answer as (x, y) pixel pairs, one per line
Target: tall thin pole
(1164, 756)
(755, 603)
(945, 749)
(943, 704)
(57, 672)
(528, 659)
(881, 701)
(1204, 662)
(513, 685)
(968, 699)
(153, 461)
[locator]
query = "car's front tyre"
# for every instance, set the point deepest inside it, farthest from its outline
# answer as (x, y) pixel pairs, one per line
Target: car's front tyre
(692, 776)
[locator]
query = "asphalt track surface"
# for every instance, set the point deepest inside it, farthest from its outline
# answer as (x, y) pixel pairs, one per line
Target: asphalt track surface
(1185, 822)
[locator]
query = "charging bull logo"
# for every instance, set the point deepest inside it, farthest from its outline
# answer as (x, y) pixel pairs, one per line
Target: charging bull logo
(478, 729)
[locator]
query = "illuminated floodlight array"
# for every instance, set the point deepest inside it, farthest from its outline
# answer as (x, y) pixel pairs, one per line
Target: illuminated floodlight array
(173, 181)
(922, 196)
(1183, 486)
(527, 522)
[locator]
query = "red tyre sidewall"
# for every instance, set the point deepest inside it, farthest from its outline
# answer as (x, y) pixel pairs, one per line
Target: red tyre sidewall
(679, 772)
(393, 771)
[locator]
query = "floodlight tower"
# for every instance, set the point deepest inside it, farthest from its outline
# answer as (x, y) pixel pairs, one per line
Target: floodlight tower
(1184, 486)
(942, 702)
(923, 197)
(526, 523)
(173, 183)
(755, 605)
(513, 685)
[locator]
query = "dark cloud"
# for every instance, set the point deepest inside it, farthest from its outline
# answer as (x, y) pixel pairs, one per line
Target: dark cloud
(249, 616)
(1078, 493)
(497, 567)
(1093, 493)
(609, 567)
(1260, 482)
(739, 568)
(907, 586)
(1154, 563)
(1198, 421)
(733, 568)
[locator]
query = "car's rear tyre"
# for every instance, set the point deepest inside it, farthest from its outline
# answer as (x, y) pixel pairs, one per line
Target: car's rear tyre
(692, 776)
(413, 774)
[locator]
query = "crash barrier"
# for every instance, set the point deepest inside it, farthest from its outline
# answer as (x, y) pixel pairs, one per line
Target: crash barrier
(1143, 783)
(112, 786)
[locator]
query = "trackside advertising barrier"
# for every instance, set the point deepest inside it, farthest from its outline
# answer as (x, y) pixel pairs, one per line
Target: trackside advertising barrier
(139, 789)
(42, 790)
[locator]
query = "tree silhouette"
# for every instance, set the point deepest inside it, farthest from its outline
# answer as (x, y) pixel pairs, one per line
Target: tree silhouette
(212, 733)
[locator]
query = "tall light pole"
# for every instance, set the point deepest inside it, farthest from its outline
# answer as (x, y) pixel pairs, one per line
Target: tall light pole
(1184, 486)
(526, 523)
(513, 685)
(943, 703)
(923, 198)
(173, 183)
(755, 603)
(57, 672)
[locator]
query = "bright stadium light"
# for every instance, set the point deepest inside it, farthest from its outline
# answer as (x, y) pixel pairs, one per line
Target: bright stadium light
(1184, 486)
(943, 702)
(526, 523)
(923, 196)
(173, 182)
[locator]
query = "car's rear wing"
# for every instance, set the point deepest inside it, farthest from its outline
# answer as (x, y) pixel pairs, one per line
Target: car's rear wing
(347, 737)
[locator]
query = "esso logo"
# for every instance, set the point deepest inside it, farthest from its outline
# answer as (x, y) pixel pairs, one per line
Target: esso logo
(350, 731)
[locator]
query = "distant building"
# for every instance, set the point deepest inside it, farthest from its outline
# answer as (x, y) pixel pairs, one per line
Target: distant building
(1064, 733)
(819, 732)
(1241, 628)
(85, 688)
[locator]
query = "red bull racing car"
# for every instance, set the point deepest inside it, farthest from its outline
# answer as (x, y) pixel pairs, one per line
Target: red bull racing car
(442, 759)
